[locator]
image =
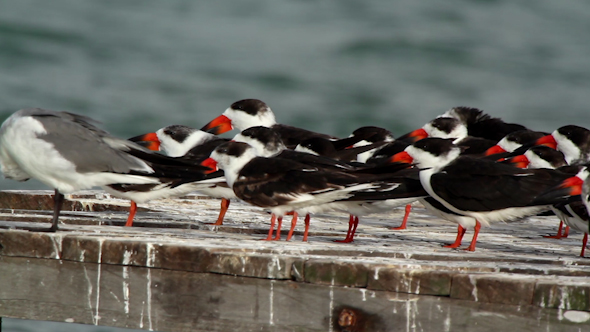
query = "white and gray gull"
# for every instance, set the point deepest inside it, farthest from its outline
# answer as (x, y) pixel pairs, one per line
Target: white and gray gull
(68, 152)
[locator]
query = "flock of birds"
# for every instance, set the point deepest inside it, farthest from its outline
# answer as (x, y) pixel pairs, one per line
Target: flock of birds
(464, 166)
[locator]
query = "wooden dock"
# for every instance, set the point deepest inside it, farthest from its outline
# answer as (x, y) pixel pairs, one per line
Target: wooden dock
(172, 272)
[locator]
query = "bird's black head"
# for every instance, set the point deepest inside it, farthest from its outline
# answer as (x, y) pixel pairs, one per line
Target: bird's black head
(178, 133)
(435, 146)
(250, 106)
(580, 136)
(446, 125)
(266, 136)
(234, 149)
(373, 134)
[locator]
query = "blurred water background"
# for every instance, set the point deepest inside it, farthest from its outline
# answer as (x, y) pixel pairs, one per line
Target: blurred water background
(329, 66)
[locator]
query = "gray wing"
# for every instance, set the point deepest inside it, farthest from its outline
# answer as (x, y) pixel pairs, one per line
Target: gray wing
(90, 148)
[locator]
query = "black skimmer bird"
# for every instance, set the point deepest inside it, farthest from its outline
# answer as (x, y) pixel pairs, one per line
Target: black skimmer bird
(539, 156)
(267, 143)
(586, 201)
(248, 113)
(68, 152)
(578, 219)
(544, 157)
(324, 147)
(573, 141)
(181, 141)
(364, 136)
(284, 185)
(483, 189)
(513, 141)
(195, 146)
(575, 213)
(452, 128)
(480, 124)
(441, 127)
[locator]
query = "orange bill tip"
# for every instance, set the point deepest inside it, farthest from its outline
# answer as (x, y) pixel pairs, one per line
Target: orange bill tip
(494, 150)
(418, 134)
(149, 140)
(519, 161)
(211, 163)
(402, 157)
(575, 185)
(219, 125)
(548, 140)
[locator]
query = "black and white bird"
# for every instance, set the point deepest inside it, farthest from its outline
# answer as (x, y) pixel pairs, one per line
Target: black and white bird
(325, 147)
(68, 152)
(575, 213)
(541, 156)
(283, 185)
(481, 124)
(573, 141)
(452, 128)
(585, 195)
(483, 189)
(402, 188)
(513, 141)
(181, 141)
(248, 113)
(370, 138)
(192, 145)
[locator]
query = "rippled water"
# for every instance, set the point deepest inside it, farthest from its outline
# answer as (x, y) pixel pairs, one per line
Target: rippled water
(330, 66)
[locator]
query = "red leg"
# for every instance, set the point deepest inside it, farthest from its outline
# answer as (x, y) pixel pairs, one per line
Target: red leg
(350, 224)
(306, 221)
(474, 240)
(405, 221)
(279, 224)
(222, 211)
(272, 227)
(132, 211)
(460, 232)
(558, 235)
(566, 232)
(584, 243)
(356, 223)
(351, 230)
(293, 223)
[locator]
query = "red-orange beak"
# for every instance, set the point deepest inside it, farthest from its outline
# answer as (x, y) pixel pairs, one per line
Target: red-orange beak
(219, 125)
(520, 161)
(574, 184)
(414, 136)
(149, 140)
(402, 157)
(211, 163)
(548, 140)
(494, 150)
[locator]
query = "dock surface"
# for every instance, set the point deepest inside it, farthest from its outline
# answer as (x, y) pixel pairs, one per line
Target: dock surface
(173, 272)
